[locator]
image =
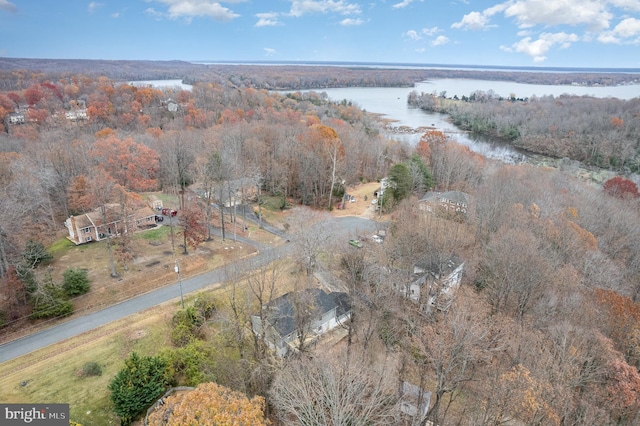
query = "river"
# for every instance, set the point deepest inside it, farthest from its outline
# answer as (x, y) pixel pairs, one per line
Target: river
(391, 102)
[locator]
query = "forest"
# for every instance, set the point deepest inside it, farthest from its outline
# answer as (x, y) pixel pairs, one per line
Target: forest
(16, 72)
(598, 132)
(545, 328)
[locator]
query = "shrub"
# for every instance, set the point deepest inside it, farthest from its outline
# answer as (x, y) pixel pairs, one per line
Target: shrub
(186, 323)
(75, 282)
(91, 368)
(142, 381)
(192, 364)
(206, 305)
(50, 302)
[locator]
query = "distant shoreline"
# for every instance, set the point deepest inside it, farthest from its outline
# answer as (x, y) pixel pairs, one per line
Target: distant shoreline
(406, 65)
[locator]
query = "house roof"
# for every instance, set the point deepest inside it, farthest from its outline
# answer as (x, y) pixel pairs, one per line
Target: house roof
(282, 309)
(436, 268)
(452, 196)
(113, 214)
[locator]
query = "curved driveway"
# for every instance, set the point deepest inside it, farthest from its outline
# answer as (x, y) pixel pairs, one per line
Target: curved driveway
(88, 322)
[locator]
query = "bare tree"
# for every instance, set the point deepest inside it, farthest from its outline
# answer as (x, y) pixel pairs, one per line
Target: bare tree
(334, 390)
(309, 236)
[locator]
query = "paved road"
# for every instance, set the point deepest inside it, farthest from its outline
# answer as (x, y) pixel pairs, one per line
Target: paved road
(88, 322)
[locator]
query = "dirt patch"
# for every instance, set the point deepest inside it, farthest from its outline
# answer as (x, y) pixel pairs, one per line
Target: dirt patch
(362, 207)
(138, 334)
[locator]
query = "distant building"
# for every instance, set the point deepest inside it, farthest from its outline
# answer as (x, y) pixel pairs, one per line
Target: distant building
(154, 202)
(16, 118)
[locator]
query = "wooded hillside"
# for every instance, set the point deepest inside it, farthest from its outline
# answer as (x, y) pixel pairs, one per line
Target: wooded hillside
(544, 328)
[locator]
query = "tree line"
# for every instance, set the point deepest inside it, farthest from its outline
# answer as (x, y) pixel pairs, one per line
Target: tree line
(16, 73)
(599, 132)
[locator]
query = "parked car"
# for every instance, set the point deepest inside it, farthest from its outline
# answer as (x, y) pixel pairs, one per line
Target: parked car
(377, 238)
(374, 201)
(169, 212)
(159, 218)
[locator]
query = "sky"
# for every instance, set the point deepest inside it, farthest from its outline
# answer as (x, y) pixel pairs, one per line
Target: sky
(544, 33)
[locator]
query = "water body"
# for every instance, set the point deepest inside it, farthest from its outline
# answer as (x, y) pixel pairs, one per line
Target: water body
(161, 84)
(392, 104)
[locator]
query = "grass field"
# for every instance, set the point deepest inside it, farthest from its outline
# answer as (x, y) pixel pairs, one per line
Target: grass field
(52, 374)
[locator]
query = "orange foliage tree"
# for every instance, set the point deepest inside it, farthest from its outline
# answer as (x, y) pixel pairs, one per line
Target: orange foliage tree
(210, 404)
(132, 165)
(621, 322)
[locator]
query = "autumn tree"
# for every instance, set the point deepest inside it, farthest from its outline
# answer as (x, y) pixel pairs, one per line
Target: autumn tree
(132, 165)
(518, 395)
(210, 404)
(194, 230)
(621, 188)
(620, 322)
(80, 197)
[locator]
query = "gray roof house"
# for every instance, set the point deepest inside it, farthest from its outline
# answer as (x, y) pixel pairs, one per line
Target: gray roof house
(450, 201)
(282, 327)
(434, 284)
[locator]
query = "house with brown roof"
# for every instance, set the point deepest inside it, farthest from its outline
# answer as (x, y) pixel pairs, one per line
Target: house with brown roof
(108, 222)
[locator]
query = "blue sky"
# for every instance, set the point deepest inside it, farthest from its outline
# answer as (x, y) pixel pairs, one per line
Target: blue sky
(549, 33)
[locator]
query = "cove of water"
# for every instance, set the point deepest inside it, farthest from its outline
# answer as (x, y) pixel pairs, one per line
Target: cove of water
(391, 103)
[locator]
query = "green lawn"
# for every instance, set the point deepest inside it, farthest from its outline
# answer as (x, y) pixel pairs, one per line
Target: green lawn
(51, 375)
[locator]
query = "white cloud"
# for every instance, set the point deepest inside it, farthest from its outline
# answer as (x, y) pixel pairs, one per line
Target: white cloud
(8, 6)
(403, 3)
(430, 31)
(629, 27)
(413, 35)
(154, 13)
(626, 29)
(626, 4)
(303, 7)
(270, 52)
(472, 21)
(115, 15)
(529, 13)
(479, 20)
(93, 6)
(351, 22)
(268, 19)
(440, 40)
(537, 49)
(189, 9)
